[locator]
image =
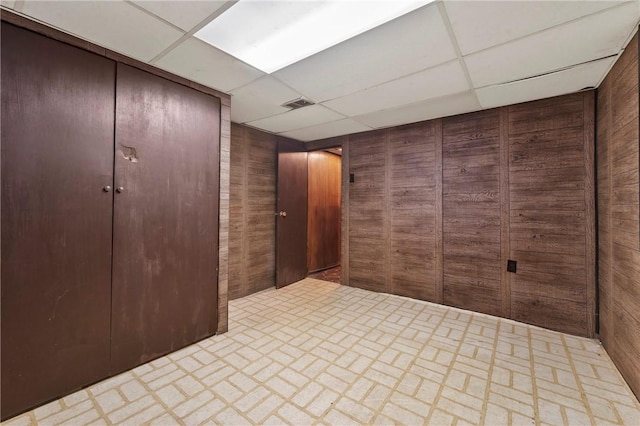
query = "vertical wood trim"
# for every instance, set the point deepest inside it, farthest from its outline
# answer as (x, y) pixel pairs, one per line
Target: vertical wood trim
(590, 216)
(344, 262)
(223, 235)
(244, 228)
(388, 212)
(439, 235)
(611, 288)
(505, 211)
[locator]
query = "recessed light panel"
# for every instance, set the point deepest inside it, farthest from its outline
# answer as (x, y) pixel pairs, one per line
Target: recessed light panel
(270, 35)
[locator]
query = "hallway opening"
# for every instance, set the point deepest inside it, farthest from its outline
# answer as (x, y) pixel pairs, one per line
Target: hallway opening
(324, 214)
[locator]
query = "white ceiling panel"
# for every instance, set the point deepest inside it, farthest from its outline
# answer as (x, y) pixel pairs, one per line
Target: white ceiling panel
(259, 99)
(200, 62)
(559, 83)
(482, 24)
(404, 71)
(184, 14)
(115, 25)
(327, 130)
(297, 119)
(586, 39)
(426, 110)
(432, 83)
(403, 46)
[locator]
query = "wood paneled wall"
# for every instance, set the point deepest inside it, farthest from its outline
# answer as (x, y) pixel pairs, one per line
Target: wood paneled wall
(323, 227)
(368, 231)
(437, 208)
(618, 215)
(252, 206)
(552, 212)
(391, 211)
(411, 210)
(471, 210)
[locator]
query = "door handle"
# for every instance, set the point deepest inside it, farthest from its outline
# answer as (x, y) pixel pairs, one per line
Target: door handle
(281, 214)
(106, 188)
(119, 189)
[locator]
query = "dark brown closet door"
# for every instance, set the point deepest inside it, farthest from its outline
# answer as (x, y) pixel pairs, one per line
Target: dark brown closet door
(166, 217)
(57, 156)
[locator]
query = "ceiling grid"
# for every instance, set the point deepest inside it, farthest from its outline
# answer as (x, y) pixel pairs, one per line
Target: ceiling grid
(432, 59)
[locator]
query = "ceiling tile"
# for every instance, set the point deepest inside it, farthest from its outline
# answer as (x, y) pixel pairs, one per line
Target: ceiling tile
(586, 39)
(432, 83)
(327, 130)
(8, 3)
(259, 99)
(413, 42)
(184, 14)
(482, 24)
(555, 84)
(297, 119)
(426, 110)
(115, 25)
(200, 62)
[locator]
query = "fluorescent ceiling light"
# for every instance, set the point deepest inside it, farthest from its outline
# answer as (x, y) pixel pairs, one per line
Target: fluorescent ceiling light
(271, 34)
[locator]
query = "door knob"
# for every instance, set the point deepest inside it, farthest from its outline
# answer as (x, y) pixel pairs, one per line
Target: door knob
(106, 188)
(119, 189)
(283, 214)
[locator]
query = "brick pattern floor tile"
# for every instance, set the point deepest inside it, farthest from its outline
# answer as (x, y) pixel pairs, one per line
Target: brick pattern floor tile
(316, 352)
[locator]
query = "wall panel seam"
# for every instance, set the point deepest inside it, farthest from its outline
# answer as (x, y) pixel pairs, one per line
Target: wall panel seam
(439, 222)
(505, 212)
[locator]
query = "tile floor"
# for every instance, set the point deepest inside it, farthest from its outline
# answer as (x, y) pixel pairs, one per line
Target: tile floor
(318, 352)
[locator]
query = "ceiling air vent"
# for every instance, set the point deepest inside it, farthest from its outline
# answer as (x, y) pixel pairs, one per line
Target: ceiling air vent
(297, 103)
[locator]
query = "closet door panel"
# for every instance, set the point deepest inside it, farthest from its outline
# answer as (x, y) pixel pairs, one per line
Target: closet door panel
(166, 217)
(57, 156)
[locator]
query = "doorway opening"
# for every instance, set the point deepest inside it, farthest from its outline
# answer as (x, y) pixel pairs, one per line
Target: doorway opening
(324, 214)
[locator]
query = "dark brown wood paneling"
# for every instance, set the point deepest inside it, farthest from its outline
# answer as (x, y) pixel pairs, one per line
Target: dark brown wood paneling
(510, 183)
(618, 215)
(323, 227)
(367, 211)
(412, 262)
(439, 234)
(261, 205)
(252, 207)
(549, 199)
(471, 200)
(292, 204)
(590, 209)
(505, 223)
(165, 217)
(603, 183)
(57, 156)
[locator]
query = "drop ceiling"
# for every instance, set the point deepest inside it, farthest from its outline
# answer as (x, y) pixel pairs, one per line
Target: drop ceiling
(444, 58)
